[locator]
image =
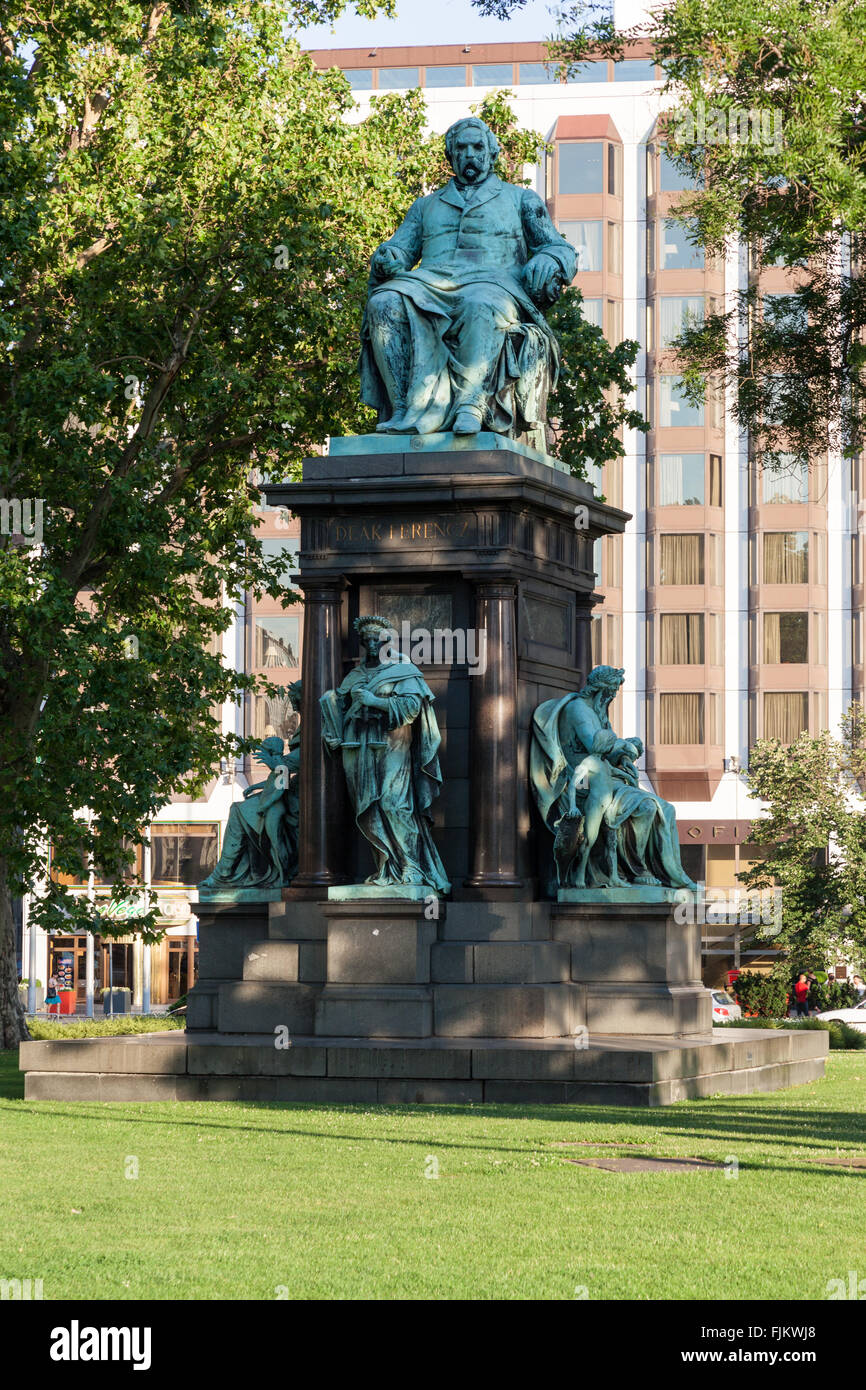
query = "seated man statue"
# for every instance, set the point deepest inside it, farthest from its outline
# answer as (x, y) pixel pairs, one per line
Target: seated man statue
(454, 335)
(609, 831)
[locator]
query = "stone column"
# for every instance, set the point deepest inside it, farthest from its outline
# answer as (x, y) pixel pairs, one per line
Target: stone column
(493, 746)
(322, 796)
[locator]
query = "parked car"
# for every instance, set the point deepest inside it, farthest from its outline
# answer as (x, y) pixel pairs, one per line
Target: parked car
(724, 1007)
(855, 1017)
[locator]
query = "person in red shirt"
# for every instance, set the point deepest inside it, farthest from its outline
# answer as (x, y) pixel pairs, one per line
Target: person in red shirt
(801, 996)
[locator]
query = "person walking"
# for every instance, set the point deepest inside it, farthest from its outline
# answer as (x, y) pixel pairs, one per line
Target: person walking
(801, 996)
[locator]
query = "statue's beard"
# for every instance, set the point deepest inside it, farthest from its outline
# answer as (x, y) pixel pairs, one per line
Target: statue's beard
(471, 173)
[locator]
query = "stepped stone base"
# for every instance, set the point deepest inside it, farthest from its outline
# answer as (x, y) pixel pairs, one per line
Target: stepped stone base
(430, 1071)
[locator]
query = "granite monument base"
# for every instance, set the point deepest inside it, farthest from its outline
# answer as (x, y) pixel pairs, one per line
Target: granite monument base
(358, 1001)
(613, 1071)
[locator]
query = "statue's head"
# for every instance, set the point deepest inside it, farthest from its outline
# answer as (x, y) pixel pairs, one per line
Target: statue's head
(471, 149)
(294, 693)
(270, 751)
(604, 681)
(373, 630)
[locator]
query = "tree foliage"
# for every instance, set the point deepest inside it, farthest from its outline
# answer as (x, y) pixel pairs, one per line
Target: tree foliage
(187, 210)
(787, 77)
(813, 837)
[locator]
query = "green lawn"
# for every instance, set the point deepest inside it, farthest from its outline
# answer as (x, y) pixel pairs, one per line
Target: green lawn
(243, 1201)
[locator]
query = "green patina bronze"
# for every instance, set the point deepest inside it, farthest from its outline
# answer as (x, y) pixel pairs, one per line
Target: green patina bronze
(609, 831)
(454, 336)
(381, 720)
(260, 848)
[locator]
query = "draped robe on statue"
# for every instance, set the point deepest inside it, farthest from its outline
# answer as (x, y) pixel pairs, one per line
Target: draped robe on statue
(472, 251)
(563, 734)
(391, 764)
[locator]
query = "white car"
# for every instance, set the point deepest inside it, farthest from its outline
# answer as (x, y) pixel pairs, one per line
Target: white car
(855, 1017)
(724, 1007)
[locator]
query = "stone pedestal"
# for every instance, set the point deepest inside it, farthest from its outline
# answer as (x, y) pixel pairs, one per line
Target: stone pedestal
(456, 536)
(639, 967)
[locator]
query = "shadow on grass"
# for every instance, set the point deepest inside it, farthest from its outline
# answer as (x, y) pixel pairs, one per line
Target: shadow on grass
(727, 1119)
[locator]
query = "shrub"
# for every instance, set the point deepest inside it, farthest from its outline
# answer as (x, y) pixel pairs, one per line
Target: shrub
(843, 1038)
(51, 1029)
(764, 995)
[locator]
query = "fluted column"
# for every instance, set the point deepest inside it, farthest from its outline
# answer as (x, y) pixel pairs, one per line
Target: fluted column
(493, 716)
(321, 791)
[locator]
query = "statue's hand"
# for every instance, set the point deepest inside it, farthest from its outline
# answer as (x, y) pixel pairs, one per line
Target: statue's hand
(543, 278)
(385, 262)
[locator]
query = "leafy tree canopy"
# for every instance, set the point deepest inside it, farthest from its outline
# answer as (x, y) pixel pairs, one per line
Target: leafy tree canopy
(814, 839)
(187, 210)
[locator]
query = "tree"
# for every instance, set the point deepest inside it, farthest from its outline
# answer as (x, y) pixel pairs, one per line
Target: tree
(813, 838)
(766, 112)
(187, 210)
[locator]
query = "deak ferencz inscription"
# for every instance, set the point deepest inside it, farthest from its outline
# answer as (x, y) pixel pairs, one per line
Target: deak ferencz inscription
(363, 531)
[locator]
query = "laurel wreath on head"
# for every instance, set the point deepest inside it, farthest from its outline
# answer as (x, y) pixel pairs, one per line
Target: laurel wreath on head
(372, 620)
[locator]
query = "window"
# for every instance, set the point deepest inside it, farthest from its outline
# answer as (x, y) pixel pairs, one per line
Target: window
(676, 313)
(786, 638)
(788, 483)
(590, 72)
(391, 79)
(597, 554)
(492, 74)
(786, 557)
(182, 853)
(786, 312)
(715, 480)
(272, 716)
(613, 326)
(595, 640)
(649, 328)
(681, 559)
(681, 639)
(650, 170)
(672, 179)
(614, 248)
(675, 410)
(359, 79)
(613, 562)
(580, 166)
(445, 77)
(677, 252)
(538, 72)
(276, 641)
(650, 248)
(634, 70)
(272, 547)
(614, 170)
(585, 237)
(681, 718)
(681, 480)
(591, 310)
(786, 714)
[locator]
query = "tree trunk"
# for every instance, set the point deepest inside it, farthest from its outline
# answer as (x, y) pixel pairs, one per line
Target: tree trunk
(13, 1025)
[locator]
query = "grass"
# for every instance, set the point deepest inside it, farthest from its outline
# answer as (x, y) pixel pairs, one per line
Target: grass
(241, 1201)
